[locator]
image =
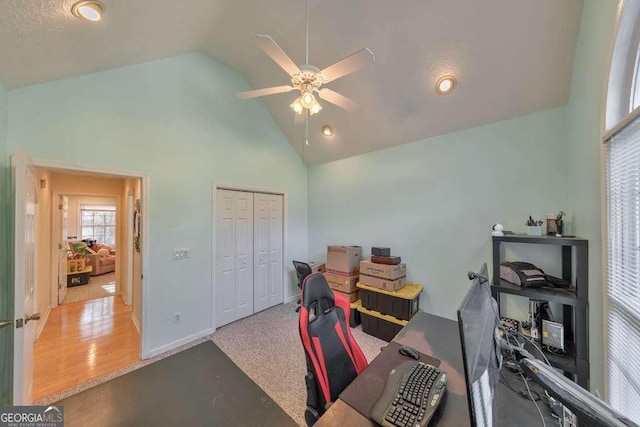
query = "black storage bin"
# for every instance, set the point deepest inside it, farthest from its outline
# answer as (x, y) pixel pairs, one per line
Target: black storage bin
(401, 304)
(77, 279)
(380, 325)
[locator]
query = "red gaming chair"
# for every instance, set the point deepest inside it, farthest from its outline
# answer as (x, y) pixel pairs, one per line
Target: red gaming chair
(333, 356)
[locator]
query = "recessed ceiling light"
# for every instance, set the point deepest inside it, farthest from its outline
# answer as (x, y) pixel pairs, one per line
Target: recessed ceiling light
(445, 85)
(327, 131)
(89, 10)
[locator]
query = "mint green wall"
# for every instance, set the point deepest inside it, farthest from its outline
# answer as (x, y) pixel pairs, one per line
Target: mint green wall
(6, 305)
(434, 201)
(179, 121)
(584, 133)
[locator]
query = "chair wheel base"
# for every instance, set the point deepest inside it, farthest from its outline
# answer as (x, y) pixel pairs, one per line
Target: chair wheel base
(311, 416)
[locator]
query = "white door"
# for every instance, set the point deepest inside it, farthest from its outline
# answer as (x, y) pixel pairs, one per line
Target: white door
(24, 197)
(261, 251)
(276, 237)
(128, 287)
(234, 255)
(268, 238)
(62, 248)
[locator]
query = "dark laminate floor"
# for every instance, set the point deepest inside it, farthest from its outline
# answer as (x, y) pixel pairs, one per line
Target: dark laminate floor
(199, 386)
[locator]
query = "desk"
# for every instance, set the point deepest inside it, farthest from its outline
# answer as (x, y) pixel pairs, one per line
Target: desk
(440, 338)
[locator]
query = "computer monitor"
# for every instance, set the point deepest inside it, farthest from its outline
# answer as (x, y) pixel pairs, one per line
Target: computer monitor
(478, 322)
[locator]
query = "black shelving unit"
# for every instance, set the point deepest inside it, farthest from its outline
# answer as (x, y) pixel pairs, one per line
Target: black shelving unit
(575, 301)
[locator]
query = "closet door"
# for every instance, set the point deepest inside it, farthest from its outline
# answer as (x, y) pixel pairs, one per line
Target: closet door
(268, 243)
(261, 251)
(234, 255)
(276, 243)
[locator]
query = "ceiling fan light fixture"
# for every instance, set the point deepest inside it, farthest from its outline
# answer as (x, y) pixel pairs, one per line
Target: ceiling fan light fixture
(308, 100)
(89, 10)
(445, 85)
(296, 106)
(327, 131)
(315, 108)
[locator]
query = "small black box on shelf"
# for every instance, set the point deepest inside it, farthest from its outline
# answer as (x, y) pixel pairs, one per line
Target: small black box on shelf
(379, 251)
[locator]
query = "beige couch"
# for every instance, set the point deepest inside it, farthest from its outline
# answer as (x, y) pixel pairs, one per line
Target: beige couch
(100, 264)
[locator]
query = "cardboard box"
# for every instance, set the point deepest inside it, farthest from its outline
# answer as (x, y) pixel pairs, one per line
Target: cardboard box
(352, 297)
(344, 259)
(384, 284)
(383, 271)
(317, 267)
(342, 283)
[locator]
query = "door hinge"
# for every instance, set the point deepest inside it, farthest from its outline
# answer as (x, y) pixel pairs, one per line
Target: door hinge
(59, 285)
(59, 245)
(19, 323)
(141, 276)
(60, 207)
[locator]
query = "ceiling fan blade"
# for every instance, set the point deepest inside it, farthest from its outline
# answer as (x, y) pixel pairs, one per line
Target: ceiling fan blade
(264, 92)
(271, 48)
(300, 118)
(337, 99)
(348, 65)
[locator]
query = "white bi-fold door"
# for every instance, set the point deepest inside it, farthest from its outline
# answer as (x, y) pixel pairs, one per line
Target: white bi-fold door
(249, 241)
(267, 238)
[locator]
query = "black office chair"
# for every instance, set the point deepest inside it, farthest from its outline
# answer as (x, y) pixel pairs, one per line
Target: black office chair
(302, 270)
(333, 356)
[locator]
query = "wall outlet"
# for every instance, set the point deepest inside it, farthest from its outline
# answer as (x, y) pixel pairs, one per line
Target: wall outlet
(182, 253)
(177, 317)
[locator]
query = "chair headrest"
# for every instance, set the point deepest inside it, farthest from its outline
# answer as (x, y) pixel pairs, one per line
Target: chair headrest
(315, 289)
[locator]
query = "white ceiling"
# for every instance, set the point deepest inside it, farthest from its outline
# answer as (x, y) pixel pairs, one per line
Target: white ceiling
(511, 57)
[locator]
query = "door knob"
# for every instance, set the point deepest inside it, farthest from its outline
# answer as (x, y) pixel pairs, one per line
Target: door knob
(244, 262)
(261, 259)
(35, 316)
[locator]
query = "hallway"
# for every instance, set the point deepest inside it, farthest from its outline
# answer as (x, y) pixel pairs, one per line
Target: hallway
(81, 341)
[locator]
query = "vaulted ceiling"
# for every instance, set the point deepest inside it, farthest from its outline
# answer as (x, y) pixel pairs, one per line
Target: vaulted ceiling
(510, 57)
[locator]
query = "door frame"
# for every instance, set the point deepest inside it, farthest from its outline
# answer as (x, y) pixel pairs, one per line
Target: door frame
(55, 232)
(285, 247)
(61, 166)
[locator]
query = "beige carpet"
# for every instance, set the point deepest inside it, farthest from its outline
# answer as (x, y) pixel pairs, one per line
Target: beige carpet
(267, 347)
(100, 286)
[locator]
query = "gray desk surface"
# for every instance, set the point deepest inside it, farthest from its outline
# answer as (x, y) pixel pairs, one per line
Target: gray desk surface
(440, 338)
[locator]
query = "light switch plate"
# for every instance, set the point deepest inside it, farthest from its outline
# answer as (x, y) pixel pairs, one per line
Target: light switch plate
(182, 253)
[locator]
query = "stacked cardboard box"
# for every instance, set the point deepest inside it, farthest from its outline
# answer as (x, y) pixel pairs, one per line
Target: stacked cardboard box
(342, 266)
(387, 277)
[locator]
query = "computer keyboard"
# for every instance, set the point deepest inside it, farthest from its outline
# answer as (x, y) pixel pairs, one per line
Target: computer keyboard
(411, 396)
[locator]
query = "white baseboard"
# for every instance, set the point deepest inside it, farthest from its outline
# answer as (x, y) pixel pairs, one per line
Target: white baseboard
(292, 298)
(178, 343)
(43, 321)
(135, 322)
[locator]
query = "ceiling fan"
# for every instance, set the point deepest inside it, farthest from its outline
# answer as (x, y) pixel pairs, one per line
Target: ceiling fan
(308, 79)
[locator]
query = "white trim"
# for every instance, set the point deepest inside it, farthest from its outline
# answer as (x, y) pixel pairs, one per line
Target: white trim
(292, 298)
(146, 283)
(285, 237)
(135, 321)
(179, 343)
(43, 321)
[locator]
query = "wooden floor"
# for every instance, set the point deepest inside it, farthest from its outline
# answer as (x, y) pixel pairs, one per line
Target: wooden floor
(81, 341)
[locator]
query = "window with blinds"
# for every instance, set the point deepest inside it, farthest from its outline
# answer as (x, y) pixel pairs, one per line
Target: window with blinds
(99, 223)
(623, 270)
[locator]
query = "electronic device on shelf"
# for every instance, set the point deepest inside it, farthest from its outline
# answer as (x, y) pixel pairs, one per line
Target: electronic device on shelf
(482, 347)
(411, 396)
